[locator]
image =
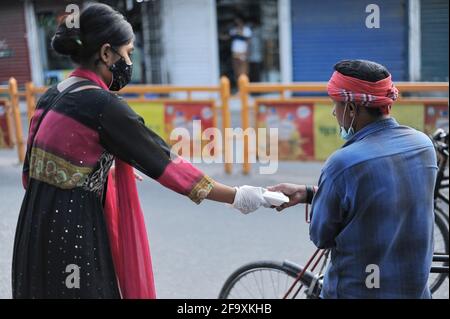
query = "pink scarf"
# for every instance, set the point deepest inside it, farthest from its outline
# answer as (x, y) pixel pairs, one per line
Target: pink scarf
(126, 226)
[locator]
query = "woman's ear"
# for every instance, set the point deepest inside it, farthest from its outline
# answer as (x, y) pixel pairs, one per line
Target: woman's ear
(105, 54)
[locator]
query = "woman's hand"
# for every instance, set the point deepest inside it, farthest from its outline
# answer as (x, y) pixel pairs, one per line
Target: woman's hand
(249, 198)
(296, 194)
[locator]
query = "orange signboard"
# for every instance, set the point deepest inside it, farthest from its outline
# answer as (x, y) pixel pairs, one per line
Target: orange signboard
(294, 122)
(436, 116)
(191, 118)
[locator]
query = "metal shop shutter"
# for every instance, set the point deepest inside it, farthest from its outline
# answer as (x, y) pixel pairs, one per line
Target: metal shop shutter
(326, 31)
(434, 40)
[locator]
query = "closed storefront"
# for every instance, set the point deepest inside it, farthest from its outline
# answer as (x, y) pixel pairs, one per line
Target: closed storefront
(326, 31)
(434, 40)
(14, 59)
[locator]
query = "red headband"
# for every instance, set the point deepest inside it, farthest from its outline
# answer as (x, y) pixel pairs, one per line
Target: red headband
(380, 94)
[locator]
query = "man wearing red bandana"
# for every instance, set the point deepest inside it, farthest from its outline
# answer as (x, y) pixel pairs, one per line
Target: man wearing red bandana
(373, 206)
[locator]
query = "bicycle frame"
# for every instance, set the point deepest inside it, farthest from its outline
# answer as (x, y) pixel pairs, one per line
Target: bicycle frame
(442, 180)
(311, 278)
(314, 281)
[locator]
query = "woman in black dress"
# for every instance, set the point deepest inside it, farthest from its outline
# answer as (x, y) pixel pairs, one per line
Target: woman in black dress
(79, 128)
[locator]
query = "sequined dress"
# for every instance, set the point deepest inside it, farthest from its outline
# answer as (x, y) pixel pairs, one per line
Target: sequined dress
(61, 223)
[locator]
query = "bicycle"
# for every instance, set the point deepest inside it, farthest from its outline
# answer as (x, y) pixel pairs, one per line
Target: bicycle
(287, 280)
(251, 280)
(440, 139)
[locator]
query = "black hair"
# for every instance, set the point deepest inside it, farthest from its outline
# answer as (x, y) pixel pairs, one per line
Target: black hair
(239, 16)
(364, 70)
(98, 24)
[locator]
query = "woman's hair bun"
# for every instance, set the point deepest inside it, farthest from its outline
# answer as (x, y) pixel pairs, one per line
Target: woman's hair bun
(67, 40)
(98, 24)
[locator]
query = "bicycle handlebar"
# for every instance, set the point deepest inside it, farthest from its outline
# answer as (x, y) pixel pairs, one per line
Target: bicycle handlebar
(440, 141)
(440, 136)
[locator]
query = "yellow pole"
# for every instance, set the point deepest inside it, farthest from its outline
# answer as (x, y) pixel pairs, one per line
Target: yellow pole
(226, 121)
(31, 100)
(243, 92)
(13, 93)
(9, 124)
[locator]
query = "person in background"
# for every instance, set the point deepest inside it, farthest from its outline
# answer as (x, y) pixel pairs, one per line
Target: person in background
(239, 35)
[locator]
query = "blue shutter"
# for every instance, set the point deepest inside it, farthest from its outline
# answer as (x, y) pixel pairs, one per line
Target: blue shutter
(434, 27)
(326, 31)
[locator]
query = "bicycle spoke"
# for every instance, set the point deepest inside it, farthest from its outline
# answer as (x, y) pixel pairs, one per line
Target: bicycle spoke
(242, 284)
(256, 281)
(278, 284)
(273, 286)
(262, 281)
(286, 285)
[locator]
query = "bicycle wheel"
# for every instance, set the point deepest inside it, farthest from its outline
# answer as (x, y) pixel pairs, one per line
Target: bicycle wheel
(441, 246)
(265, 280)
(442, 208)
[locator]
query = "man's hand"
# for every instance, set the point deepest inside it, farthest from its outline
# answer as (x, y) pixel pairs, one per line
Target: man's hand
(296, 194)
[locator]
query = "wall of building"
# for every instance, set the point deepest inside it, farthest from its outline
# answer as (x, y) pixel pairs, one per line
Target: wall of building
(190, 42)
(14, 59)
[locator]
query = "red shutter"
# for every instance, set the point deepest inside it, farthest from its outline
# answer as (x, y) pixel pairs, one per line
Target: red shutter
(13, 37)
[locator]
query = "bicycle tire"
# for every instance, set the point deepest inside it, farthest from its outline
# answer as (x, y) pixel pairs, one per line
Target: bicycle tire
(440, 210)
(442, 228)
(289, 269)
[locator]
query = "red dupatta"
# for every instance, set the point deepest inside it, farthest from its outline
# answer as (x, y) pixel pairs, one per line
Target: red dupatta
(126, 226)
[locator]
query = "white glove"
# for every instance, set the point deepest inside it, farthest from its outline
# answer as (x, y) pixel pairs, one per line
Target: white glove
(249, 198)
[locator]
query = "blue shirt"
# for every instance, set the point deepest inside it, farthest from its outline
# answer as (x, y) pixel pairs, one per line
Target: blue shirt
(374, 209)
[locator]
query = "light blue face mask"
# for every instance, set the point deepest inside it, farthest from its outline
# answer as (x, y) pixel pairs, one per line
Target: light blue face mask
(346, 134)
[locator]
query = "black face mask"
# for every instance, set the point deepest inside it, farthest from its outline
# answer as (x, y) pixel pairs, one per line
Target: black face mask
(121, 73)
